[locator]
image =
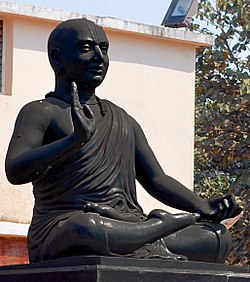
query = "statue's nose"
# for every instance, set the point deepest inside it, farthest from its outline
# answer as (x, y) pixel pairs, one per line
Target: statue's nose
(98, 53)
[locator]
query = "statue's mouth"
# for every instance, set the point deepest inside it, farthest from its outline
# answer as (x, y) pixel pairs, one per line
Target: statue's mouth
(96, 71)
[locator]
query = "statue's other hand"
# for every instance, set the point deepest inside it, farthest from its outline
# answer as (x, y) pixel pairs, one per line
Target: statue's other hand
(82, 117)
(222, 207)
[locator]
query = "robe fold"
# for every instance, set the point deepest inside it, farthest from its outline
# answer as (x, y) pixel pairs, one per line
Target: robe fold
(102, 172)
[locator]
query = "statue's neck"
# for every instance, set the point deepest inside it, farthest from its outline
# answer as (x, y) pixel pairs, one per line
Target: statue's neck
(86, 96)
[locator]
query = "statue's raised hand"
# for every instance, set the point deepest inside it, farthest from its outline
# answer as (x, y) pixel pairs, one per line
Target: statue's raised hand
(82, 117)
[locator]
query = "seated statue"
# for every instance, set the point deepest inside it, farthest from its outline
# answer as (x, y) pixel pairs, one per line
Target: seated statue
(83, 155)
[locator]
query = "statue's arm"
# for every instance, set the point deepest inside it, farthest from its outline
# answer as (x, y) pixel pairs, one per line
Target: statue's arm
(27, 160)
(168, 190)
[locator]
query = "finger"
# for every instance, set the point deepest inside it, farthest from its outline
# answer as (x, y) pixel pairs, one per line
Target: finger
(233, 206)
(238, 211)
(234, 209)
(74, 94)
(227, 206)
(220, 214)
(229, 198)
(88, 112)
(73, 89)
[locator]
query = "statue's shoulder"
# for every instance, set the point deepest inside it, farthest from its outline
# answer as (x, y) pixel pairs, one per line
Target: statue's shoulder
(38, 108)
(34, 105)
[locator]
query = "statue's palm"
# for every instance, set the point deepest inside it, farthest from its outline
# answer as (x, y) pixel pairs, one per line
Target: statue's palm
(82, 117)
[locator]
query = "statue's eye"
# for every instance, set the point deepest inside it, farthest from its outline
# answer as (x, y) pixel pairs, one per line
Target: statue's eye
(104, 49)
(85, 48)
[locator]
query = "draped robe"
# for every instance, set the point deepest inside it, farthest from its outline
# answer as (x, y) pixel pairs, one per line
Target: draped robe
(102, 172)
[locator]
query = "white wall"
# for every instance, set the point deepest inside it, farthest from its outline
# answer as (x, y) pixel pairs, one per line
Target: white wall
(152, 78)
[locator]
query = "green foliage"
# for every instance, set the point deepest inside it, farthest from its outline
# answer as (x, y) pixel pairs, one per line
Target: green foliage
(222, 143)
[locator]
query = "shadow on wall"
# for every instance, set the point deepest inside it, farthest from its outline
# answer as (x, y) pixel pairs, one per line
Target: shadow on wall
(32, 35)
(152, 52)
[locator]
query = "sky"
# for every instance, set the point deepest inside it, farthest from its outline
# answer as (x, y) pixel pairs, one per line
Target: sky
(143, 11)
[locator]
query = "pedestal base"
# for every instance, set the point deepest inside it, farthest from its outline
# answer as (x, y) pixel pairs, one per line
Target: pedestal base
(109, 269)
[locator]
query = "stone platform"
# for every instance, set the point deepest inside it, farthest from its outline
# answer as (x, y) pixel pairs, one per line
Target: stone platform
(108, 269)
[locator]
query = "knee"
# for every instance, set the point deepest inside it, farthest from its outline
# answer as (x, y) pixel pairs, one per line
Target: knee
(222, 238)
(210, 242)
(81, 234)
(83, 228)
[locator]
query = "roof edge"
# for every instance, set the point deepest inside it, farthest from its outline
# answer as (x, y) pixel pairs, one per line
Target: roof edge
(189, 37)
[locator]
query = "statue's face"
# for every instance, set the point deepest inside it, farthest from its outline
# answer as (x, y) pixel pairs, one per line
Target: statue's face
(84, 55)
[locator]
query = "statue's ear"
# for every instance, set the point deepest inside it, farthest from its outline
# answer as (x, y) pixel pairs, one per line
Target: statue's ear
(55, 57)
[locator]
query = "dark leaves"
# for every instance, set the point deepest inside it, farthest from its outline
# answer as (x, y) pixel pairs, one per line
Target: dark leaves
(222, 141)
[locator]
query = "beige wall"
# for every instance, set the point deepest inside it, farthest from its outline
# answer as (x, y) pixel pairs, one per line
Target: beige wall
(152, 78)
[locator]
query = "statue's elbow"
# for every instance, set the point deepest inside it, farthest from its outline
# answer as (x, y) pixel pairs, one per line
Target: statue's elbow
(13, 174)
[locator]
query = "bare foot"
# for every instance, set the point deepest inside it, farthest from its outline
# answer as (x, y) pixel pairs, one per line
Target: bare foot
(173, 222)
(109, 212)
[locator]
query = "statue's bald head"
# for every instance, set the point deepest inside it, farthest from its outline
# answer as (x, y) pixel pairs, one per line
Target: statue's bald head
(63, 34)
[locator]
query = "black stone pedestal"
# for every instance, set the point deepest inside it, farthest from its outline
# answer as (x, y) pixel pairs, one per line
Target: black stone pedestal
(109, 269)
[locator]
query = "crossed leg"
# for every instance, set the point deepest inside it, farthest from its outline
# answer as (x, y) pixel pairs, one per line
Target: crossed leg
(210, 242)
(92, 234)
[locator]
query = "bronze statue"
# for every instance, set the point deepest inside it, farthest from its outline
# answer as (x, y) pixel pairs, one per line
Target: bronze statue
(83, 155)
